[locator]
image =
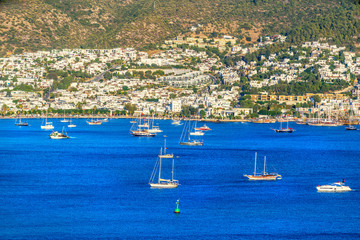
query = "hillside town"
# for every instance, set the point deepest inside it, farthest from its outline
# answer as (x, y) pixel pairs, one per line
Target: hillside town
(166, 81)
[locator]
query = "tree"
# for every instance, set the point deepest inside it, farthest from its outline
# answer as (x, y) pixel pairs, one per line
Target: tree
(107, 76)
(316, 99)
(131, 108)
(202, 113)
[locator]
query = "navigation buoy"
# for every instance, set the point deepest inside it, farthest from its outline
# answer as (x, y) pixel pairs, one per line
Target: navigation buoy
(177, 209)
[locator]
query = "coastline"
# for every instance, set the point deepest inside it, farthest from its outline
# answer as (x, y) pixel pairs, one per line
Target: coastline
(126, 117)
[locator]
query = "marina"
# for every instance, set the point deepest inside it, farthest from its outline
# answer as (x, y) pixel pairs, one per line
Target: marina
(50, 189)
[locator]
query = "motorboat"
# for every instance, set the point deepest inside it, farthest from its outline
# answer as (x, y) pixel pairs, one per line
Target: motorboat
(203, 128)
(197, 133)
(334, 187)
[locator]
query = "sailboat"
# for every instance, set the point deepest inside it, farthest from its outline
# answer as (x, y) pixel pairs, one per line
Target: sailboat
(154, 128)
(350, 127)
(64, 120)
(139, 129)
(284, 130)
(264, 176)
(46, 124)
(19, 123)
(94, 122)
(161, 182)
(71, 125)
(185, 136)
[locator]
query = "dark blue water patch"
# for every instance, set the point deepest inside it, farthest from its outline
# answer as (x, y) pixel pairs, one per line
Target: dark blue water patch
(95, 185)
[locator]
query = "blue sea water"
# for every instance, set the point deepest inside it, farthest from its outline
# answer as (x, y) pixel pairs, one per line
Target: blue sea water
(95, 185)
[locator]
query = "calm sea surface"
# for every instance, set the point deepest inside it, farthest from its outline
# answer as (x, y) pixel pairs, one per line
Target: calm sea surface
(95, 185)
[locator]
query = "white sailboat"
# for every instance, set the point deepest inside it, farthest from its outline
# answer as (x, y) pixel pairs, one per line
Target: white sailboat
(64, 120)
(154, 128)
(185, 136)
(161, 182)
(71, 125)
(47, 125)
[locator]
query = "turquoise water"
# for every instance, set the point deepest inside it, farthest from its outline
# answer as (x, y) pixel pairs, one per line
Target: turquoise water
(95, 185)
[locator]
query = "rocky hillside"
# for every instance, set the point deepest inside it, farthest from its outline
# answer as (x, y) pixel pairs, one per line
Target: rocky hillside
(30, 25)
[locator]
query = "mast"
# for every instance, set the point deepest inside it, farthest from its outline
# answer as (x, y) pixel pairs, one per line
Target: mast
(189, 127)
(172, 171)
(160, 166)
(264, 165)
(255, 164)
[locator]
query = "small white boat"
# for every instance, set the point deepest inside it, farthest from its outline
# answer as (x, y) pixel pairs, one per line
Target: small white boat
(176, 122)
(94, 122)
(334, 187)
(155, 129)
(197, 133)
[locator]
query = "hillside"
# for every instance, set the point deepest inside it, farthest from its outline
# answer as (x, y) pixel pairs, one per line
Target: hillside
(32, 25)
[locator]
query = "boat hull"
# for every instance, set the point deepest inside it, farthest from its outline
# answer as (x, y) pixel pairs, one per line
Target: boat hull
(142, 134)
(333, 189)
(192, 143)
(160, 185)
(47, 127)
(22, 124)
(263, 177)
(284, 130)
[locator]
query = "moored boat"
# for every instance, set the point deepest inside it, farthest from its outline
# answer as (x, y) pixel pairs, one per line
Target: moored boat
(203, 128)
(264, 176)
(161, 182)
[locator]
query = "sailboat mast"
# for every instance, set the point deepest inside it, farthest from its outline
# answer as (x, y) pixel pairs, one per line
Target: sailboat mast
(255, 164)
(264, 165)
(172, 171)
(160, 166)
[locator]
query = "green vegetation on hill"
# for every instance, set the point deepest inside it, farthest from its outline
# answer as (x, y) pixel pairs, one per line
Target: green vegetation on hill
(30, 25)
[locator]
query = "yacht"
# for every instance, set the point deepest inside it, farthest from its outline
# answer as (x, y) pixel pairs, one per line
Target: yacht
(203, 128)
(264, 176)
(334, 187)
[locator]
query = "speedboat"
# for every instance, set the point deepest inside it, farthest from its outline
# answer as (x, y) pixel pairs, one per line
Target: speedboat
(197, 133)
(203, 128)
(334, 187)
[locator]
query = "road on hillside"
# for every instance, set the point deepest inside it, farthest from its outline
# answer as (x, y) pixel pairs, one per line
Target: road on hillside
(101, 75)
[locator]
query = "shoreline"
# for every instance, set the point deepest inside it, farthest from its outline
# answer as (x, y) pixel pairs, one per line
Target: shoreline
(127, 117)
